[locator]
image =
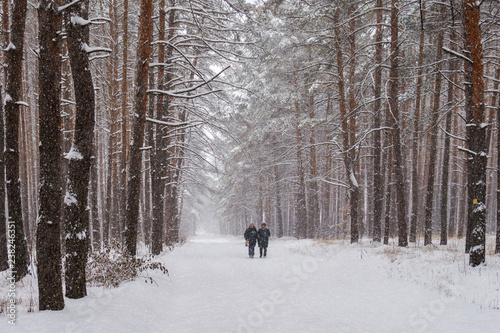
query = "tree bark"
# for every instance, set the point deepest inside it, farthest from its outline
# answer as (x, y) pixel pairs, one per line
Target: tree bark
(4, 262)
(125, 139)
(497, 247)
(429, 201)
(394, 106)
(160, 153)
(3, 227)
(79, 158)
(301, 210)
(476, 137)
(313, 200)
(12, 117)
(447, 147)
(93, 198)
(348, 136)
(49, 217)
(415, 200)
(139, 118)
(279, 213)
(378, 195)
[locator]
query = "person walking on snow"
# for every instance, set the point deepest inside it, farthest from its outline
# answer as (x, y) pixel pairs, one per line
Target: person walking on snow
(251, 239)
(263, 235)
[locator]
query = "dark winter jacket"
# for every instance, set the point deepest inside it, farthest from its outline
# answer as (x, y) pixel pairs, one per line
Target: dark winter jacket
(251, 236)
(264, 235)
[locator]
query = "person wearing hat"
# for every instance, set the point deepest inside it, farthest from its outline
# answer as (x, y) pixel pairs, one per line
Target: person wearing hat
(251, 239)
(263, 238)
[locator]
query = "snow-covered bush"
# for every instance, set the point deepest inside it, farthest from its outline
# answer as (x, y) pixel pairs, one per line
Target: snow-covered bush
(111, 267)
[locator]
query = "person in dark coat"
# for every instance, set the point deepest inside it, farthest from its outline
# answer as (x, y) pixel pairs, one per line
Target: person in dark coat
(263, 235)
(251, 239)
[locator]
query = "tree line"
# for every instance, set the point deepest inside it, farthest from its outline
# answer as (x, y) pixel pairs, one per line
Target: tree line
(369, 118)
(107, 106)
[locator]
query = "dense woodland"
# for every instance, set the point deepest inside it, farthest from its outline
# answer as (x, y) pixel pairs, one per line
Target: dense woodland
(127, 121)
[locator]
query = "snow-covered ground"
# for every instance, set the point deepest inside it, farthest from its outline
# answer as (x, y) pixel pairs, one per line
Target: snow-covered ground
(303, 286)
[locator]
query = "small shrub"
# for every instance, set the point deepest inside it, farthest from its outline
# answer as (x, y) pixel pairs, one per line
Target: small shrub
(110, 268)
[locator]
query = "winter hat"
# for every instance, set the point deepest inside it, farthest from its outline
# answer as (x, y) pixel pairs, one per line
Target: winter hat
(263, 224)
(252, 225)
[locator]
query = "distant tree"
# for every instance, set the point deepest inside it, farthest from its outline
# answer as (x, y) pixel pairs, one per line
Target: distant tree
(49, 217)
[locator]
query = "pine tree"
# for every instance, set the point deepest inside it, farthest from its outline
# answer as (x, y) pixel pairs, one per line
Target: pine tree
(138, 122)
(12, 117)
(80, 156)
(49, 221)
(476, 136)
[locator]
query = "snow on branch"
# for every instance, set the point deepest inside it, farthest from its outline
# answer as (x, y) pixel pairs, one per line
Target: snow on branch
(102, 56)
(22, 103)
(175, 95)
(73, 154)
(100, 20)
(68, 5)
(171, 124)
(457, 54)
(182, 93)
(10, 47)
(451, 135)
(77, 20)
(90, 50)
(335, 183)
(468, 151)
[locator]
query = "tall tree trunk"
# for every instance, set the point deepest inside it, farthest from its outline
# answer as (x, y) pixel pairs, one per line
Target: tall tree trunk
(79, 158)
(447, 146)
(279, 213)
(387, 163)
(4, 262)
(49, 217)
(178, 166)
(429, 201)
(114, 215)
(393, 102)
(301, 210)
(415, 199)
(327, 193)
(497, 247)
(476, 138)
(348, 136)
(378, 195)
(139, 118)
(389, 191)
(160, 156)
(125, 139)
(5, 32)
(12, 117)
(93, 198)
(3, 227)
(313, 202)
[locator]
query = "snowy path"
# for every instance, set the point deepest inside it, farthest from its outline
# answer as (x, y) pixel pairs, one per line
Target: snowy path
(300, 287)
